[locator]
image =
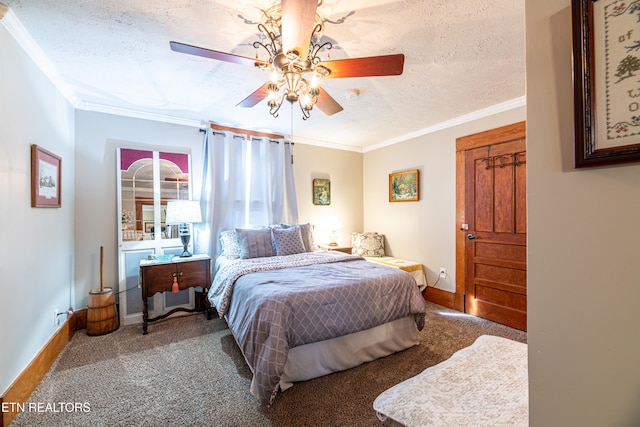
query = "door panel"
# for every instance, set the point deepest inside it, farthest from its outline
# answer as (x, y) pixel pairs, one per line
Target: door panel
(495, 250)
(521, 191)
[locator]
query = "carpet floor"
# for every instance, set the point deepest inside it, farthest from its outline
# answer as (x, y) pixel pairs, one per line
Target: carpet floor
(188, 371)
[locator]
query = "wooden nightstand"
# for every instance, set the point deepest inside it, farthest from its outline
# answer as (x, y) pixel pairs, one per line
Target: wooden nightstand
(339, 248)
(189, 272)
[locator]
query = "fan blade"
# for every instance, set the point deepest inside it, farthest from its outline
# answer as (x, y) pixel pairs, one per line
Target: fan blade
(298, 17)
(257, 96)
(327, 104)
(372, 66)
(214, 54)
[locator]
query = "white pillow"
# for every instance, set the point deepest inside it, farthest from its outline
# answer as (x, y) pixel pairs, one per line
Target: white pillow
(229, 243)
(368, 244)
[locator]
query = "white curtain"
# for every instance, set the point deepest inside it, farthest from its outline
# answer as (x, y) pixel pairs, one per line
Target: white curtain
(247, 183)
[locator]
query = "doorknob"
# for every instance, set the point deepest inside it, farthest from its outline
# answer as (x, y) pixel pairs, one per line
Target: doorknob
(471, 236)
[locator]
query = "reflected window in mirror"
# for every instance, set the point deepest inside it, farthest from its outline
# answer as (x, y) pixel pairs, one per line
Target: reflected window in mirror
(148, 180)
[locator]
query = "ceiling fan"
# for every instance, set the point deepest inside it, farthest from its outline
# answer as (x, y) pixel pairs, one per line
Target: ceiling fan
(291, 34)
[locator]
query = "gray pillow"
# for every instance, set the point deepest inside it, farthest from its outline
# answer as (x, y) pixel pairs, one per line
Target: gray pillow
(255, 243)
(306, 230)
(288, 241)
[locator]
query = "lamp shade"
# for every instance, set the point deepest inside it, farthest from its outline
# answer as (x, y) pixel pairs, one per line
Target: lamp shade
(333, 224)
(183, 212)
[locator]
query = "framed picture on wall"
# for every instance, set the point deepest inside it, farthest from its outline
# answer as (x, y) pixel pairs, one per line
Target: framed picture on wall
(46, 178)
(404, 186)
(606, 58)
(321, 192)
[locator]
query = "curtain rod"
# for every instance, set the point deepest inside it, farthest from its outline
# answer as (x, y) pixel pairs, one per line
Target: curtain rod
(245, 132)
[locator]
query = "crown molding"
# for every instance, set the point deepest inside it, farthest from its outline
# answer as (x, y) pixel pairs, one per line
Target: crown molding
(33, 50)
(325, 144)
(137, 114)
(457, 121)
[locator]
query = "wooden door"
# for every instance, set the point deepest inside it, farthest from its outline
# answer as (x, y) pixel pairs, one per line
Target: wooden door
(496, 238)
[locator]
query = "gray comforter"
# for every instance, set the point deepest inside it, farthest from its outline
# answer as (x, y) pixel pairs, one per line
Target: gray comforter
(277, 303)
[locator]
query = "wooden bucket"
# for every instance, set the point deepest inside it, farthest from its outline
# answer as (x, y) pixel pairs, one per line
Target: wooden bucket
(102, 316)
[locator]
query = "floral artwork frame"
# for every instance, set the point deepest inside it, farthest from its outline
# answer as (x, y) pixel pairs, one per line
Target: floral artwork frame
(321, 192)
(404, 186)
(46, 178)
(606, 52)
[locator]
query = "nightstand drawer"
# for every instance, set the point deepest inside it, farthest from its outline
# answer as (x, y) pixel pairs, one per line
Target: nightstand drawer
(192, 274)
(158, 278)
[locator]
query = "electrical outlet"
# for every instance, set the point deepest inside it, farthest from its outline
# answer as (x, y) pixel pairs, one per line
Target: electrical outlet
(55, 317)
(443, 273)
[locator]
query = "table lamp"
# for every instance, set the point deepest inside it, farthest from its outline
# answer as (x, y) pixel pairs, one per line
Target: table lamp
(334, 226)
(184, 213)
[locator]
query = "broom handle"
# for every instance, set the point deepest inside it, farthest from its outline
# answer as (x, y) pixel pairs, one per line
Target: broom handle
(101, 268)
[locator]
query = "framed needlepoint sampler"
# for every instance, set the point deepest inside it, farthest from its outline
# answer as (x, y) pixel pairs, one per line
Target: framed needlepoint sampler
(606, 58)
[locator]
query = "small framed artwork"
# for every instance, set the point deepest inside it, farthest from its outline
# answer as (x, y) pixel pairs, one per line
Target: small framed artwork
(321, 192)
(46, 178)
(404, 186)
(606, 58)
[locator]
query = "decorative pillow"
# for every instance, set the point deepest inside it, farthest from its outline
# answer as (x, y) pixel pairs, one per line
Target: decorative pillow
(306, 230)
(288, 241)
(229, 243)
(368, 244)
(255, 243)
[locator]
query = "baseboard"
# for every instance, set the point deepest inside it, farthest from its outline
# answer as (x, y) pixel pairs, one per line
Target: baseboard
(29, 379)
(444, 298)
(81, 319)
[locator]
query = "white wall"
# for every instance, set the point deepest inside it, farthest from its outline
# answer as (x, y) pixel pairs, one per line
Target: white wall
(37, 256)
(584, 284)
(97, 137)
(423, 231)
(344, 170)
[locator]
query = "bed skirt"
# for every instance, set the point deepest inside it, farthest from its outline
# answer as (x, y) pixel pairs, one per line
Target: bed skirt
(338, 354)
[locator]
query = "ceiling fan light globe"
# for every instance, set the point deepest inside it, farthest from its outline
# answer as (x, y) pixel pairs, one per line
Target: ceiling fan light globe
(314, 81)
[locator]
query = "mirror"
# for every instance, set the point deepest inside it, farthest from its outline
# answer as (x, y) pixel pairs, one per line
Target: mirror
(143, 174)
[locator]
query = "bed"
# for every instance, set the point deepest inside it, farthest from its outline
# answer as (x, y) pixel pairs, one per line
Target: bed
(297, 316)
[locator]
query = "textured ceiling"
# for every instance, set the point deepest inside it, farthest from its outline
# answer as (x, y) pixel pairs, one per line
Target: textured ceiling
(461, 57)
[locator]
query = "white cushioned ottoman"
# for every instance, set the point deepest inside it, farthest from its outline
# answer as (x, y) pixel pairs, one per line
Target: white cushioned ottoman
(485, 384)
